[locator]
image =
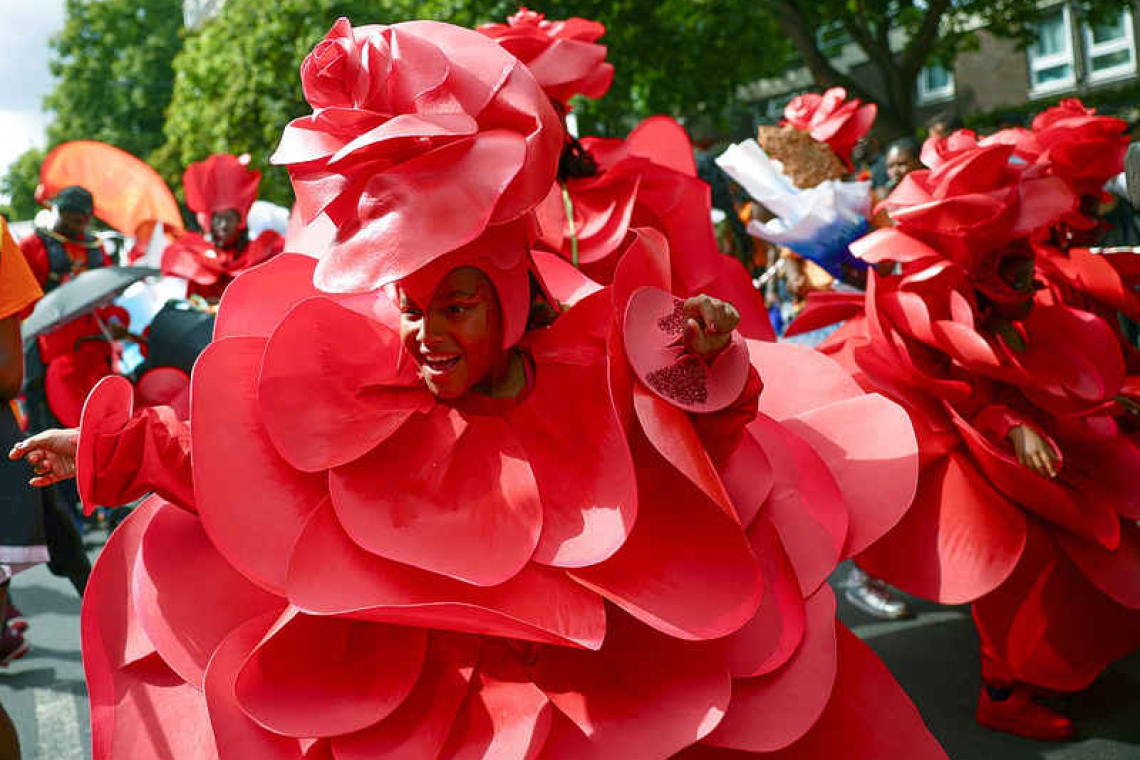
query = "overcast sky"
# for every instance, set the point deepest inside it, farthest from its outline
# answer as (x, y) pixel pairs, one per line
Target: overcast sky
(25, 27)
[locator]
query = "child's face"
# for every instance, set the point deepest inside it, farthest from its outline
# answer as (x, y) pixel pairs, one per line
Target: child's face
(457, 339)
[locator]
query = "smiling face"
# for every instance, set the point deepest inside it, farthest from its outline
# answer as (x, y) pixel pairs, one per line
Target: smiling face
(457, 339)
(224, 227)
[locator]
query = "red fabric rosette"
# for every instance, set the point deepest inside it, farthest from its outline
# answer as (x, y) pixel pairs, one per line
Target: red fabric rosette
(422, 135)
(1084, 149)
(832, 119)
(564, 56)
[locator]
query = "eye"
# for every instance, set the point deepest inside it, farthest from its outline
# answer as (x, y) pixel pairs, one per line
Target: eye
(410, 312)
(457, 310)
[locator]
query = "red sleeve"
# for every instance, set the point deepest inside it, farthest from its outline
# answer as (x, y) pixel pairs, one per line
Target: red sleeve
(720, 432)
(121, 462)
(36, 253)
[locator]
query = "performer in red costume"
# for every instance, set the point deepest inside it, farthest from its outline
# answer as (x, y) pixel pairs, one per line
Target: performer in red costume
(606, 187)
(1025, 505)
(77, 355)
(220, 190)
(423, 521)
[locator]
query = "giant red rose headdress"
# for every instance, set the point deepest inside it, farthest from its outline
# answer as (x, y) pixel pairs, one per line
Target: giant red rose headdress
(220, 182)
(564, 56)
(976, 202)
(832, 119)
(422, 136)
(1082, 148)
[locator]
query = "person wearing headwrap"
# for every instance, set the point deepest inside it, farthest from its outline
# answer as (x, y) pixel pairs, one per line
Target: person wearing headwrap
(447, 503)
(220, 191)
(1026, 505)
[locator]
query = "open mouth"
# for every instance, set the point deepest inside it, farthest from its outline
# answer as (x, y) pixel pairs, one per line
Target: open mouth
(441, 364)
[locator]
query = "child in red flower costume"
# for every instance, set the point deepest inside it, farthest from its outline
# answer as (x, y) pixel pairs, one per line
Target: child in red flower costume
(428, 523)
(1025, 504)
(220, 190)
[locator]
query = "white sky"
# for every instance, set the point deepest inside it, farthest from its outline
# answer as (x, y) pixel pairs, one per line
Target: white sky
(25, 28)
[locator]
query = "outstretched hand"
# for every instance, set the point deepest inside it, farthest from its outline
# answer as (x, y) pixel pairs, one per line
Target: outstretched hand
(51, 455)
(1033, 451)
(709, 323)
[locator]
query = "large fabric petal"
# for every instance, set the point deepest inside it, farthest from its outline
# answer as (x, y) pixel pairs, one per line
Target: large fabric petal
(252, 503)
(451, 494)
(329, 574)
(421, 725)
(642, 695)
(770, 712)
(177, 576)
(364, 673)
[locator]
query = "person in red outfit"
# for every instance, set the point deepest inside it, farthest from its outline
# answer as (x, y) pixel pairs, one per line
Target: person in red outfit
(1026, 504)
(220, 190)
(432, 519)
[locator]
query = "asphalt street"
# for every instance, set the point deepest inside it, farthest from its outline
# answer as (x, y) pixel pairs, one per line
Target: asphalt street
(934, 657)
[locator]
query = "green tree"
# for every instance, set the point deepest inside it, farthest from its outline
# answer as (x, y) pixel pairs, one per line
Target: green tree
(236, 82)
(19, 184)
(113, 62)
(900, 37)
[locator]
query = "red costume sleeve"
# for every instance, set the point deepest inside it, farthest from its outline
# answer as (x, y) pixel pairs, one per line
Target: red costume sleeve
(996, 420)
(36, 253)
(721, 431)
(124, 455)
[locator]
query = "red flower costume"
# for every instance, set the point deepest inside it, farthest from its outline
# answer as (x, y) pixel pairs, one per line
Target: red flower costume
(596, 567)
(647, 180)
(1053, 565)
(222, 182)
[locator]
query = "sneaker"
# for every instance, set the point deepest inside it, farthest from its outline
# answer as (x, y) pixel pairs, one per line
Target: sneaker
(1019, 714)
(13, 646)
(15, 619)
(874, 597)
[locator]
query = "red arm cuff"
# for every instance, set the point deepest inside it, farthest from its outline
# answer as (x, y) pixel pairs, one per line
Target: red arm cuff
(124, 454)
(720, 432)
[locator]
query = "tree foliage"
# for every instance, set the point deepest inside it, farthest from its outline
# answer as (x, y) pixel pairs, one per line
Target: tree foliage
(900, 37)
(237, 82)
(19, 184)
(113, 61)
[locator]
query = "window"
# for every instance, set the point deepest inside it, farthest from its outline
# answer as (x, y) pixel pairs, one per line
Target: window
(935, 83)
(1109, 48)
(1051, 58)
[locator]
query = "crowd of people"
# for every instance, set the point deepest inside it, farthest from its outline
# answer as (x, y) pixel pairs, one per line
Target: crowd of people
(496, 454)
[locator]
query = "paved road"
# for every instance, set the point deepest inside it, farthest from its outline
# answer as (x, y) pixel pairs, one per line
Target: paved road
(933, 656)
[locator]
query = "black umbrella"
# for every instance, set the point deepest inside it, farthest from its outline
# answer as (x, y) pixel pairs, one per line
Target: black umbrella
(80, 295)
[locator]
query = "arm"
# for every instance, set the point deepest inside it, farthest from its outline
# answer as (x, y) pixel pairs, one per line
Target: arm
(1033, 447)
(37, 257)
(124, 455)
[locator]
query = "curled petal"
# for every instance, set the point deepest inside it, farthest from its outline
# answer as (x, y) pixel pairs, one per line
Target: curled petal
(253, 504)
(453, 495)
(177, 575)
(258, 299)
(768, 640)
(364, 673)
(324, 406)
(959, 540)
(505, 715)
(582, 465)
(329, 574)
(770, 712)
(235, 735)
(685, 582)
(642, 695)
(420, 726)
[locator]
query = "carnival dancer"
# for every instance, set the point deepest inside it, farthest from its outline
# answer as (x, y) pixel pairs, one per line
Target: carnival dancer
(220, 191)
(606, 187)
(429, 523)
(1026, 505)
(797, 171)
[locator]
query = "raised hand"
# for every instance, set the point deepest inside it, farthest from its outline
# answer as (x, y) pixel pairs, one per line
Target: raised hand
(1033, 451)
(709, 323)
(51, 455)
